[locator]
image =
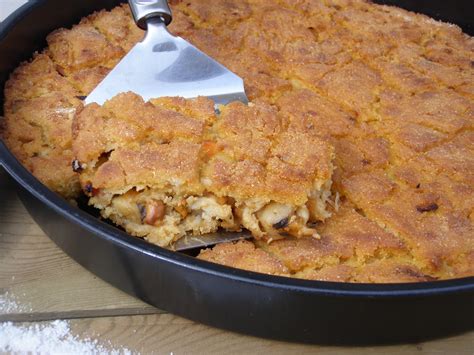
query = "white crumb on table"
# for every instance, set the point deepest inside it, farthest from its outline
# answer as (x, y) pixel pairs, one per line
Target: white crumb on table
(49, 338)
(8, 6)
(9, 304)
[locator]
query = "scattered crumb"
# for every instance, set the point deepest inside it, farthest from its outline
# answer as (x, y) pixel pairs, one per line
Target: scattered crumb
(49, 338)
(9, 304)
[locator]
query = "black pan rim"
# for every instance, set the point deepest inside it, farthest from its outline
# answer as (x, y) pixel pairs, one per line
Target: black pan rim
(16, 16)
(115, 236)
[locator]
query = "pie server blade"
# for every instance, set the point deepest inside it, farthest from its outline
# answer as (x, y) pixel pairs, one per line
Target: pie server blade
(166, 65)
(206, 240)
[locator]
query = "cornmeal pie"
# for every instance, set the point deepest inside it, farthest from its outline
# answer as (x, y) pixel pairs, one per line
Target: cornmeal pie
(379, 97)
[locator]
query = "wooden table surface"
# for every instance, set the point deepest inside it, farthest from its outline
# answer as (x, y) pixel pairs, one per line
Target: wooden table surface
(44, 284)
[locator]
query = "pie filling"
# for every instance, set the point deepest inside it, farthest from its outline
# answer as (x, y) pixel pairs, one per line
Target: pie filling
(162, 217)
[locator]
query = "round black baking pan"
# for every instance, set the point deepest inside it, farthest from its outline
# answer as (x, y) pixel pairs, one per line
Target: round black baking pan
(237, 300)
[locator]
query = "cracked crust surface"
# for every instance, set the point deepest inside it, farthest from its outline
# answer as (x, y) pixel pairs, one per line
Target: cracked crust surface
(391, 90)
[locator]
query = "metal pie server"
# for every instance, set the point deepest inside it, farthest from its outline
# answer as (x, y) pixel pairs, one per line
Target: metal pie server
(167, 65)
(189, 242)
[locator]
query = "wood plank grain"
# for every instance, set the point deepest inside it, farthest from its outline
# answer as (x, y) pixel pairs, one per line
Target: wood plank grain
(165, 334)
(41, 280)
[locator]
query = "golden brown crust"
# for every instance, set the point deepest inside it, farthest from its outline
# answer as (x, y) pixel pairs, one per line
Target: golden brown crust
(117, 26)
(81, 47)
(172, 137)
(245, 255)
(391, 90)
(39, 107)
(258, 156)
(146, 144)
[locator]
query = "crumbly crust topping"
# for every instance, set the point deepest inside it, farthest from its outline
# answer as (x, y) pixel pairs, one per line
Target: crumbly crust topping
(245, 152)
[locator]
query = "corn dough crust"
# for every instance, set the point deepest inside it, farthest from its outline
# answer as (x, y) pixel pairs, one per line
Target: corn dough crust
(391, 90)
